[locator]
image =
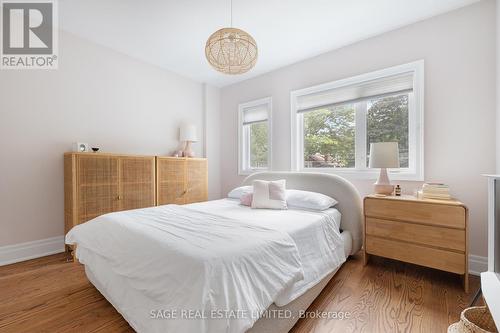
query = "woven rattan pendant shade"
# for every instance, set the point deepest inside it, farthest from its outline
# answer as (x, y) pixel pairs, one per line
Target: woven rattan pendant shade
(231, 51)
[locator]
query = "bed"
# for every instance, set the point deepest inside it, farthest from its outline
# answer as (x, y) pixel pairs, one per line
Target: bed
(219, 266)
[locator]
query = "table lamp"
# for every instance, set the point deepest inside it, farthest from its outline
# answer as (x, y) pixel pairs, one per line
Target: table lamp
(384, 155)
(188, 134)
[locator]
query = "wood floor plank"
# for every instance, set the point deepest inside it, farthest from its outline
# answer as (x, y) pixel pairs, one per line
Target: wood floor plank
(27, 285)
(31, 265)
(389, 296)
(51, 295)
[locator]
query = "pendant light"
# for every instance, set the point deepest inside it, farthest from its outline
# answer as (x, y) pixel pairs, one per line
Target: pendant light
(231, 50)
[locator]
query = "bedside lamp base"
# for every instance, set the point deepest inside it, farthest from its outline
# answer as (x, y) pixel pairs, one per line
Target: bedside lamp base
(383, 185)
(188, 152)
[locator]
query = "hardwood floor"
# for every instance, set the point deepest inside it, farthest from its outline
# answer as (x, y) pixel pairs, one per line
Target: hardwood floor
(52, 295)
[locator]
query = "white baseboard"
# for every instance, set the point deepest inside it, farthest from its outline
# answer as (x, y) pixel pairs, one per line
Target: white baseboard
(10, 254)
(477, 264)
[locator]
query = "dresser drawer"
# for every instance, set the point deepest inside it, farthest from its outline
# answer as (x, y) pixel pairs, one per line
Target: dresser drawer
(417, 233)
(416, 254)
(413, 211)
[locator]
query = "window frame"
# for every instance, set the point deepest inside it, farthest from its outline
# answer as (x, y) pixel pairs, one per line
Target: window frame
(414, 172)
(244, 167)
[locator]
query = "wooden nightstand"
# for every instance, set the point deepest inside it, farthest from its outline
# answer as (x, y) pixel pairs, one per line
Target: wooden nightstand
(431, 233)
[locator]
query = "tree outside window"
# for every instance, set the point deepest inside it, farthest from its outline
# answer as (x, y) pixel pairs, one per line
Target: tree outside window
(258, 145)
(330, 132)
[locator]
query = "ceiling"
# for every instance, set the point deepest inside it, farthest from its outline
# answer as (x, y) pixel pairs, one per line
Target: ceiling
(172, 33)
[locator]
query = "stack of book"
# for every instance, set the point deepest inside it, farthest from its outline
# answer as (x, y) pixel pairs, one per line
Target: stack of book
(435, 191)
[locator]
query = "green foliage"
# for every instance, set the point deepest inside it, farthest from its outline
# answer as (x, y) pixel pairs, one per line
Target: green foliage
(387, 121)
(258, 145)
(330, 133)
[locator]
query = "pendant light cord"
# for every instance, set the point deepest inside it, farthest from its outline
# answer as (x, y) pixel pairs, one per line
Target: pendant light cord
(231, 13)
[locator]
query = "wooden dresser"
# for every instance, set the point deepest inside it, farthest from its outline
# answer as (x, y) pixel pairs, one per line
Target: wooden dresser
(98, 183)
(431, 233)
(181, 180)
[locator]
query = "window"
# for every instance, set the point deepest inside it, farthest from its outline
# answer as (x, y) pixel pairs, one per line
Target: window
(254, 121)
(329, 137)
(333, 124)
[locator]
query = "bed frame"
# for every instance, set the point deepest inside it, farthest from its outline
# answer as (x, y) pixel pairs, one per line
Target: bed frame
(349, 200)
(349, 205)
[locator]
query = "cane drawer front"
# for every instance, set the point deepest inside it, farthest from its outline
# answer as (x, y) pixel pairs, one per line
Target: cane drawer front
(196, 180)
(97, 186)
(171, 193)
(417, 254)
(429, 235)
(452, 216)
(137, 182)
(171, 180)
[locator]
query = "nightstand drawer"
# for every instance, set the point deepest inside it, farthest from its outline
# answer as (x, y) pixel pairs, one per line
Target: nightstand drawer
(428, 213)
(416, 254)
(417, 233)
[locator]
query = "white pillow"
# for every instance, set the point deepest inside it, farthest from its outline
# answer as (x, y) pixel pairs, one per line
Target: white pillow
(239, 191)
(269, 194)
(309, 200)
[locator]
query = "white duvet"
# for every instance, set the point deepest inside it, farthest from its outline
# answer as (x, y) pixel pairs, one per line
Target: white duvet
(316, 234)
(213, 266)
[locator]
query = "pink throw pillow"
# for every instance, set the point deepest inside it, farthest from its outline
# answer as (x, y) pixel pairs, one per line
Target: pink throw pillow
(246, 199)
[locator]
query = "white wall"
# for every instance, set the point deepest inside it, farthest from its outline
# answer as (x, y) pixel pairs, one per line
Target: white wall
(97, 96)
(459, 53)
(212, 128)
(498, 86)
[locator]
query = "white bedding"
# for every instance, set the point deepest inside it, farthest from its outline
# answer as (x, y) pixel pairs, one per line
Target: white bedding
(213, 256)
(316, 234)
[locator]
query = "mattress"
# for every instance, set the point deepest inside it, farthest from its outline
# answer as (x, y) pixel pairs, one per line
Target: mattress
(322, 249)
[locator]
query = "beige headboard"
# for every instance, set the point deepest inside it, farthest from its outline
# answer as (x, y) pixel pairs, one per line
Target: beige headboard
(350, 205)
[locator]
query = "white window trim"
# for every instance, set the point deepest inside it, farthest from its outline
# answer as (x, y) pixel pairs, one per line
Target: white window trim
(243, 154)
(415, 172)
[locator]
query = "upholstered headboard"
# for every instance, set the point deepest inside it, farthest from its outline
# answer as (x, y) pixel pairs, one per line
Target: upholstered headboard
(342, 190)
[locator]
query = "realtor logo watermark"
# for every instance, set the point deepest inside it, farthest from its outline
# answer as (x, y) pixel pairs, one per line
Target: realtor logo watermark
(29, 34)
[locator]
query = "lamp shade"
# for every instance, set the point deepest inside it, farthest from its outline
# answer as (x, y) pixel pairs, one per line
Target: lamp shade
(188, 133)
(384, 155)
(231, 51)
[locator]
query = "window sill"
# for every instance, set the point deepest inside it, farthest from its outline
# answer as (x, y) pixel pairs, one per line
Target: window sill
(368, 174)
(248, 172)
